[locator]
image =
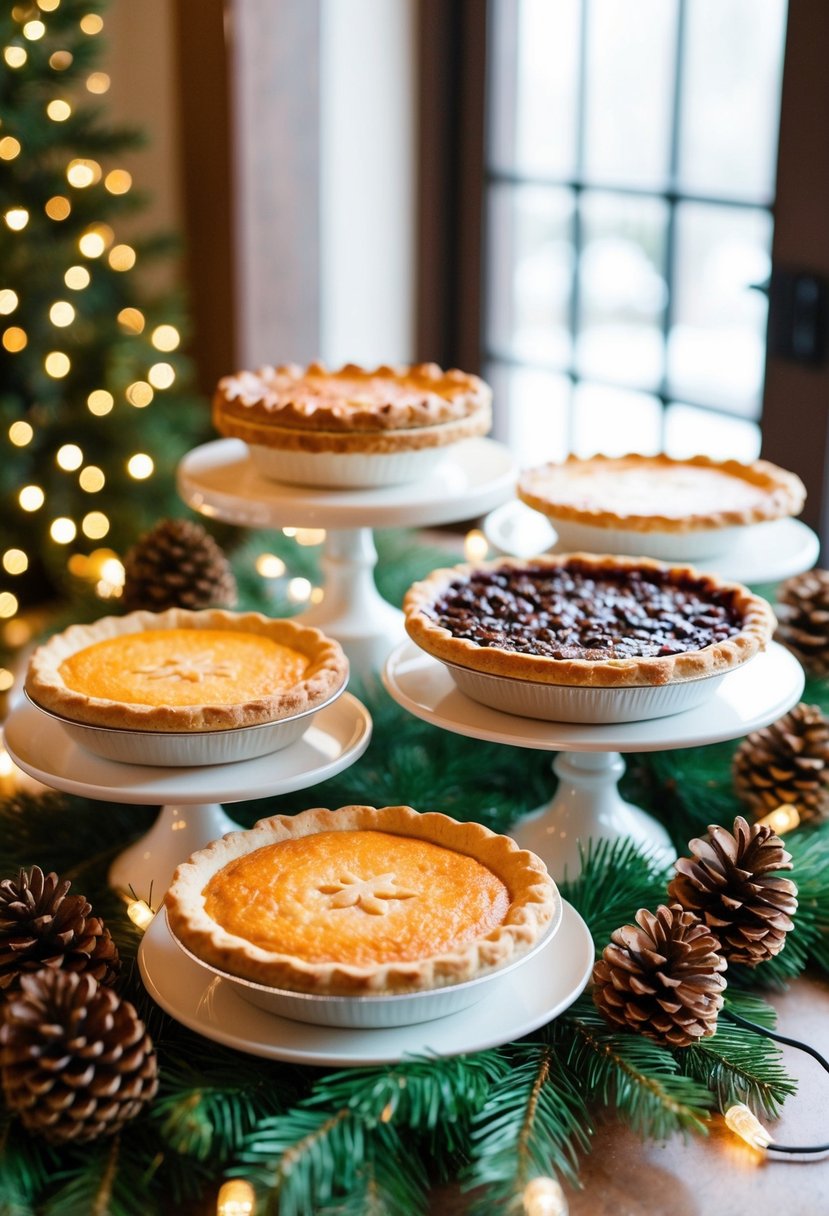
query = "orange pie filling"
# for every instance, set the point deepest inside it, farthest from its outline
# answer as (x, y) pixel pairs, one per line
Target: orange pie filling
(357, 897)
(183, 667)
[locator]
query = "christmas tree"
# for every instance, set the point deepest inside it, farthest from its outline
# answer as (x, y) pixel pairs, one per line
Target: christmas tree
(93, 416)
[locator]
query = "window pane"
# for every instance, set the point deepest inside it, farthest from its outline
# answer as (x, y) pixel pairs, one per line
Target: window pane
(531, 411)
(534, 86)
(716, 345)
(692, 432)
(622, 290)
(629, 91)
(614, 422)
(530, 273)
(732, 67)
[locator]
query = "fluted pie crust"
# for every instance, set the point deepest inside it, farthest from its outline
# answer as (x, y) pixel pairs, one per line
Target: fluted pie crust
(352, 409)
(184, 671)
(360, 901)
(521, 642)
(659, 494)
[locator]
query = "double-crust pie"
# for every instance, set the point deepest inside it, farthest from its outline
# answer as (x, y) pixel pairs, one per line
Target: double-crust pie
(587, 620)
(182, 670)
(352, 409)
(360, 900)
(659, 494)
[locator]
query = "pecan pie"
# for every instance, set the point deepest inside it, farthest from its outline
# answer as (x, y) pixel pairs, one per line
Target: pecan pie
(360, 900)
(659, 494)
(580, 619)
(182, 670)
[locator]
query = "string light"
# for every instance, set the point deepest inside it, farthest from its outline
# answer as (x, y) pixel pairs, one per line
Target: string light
(57, 364)
(236, 1198)
(61, 60)
(8, 604)
(140, 466)
(270, 566)
(97, 82)
(118, 181)
(15, 56)
(77, 277)
(92, 479)
(17, 218)
(59, 110)
(544, 1197)
(82, 173)
(31, 498)
(100, 402)
(34, 30)
(475, 545)
(161, 375)
(9, 147)
(122, 257)
(8, 301)
(21, 433)
(783, 818)
(165, 337)
(69, 457)
(6, 681)
(112, 569)
(140, 913)
(317, 595)
(92, 244)
(299, 590)
(63, 530)
(95, 525)
(58, 207)
(48, 6)
(14, 338)
(15, 561)
(92, 23)
(139, 394)
(132, 320)
(745, 1124)
(61, 313)
(17, 633)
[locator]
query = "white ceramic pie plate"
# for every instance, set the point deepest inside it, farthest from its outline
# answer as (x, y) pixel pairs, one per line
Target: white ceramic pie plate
(379, 1011)
(667, 546)
(345, 470)
(189, 749)
(576, 703)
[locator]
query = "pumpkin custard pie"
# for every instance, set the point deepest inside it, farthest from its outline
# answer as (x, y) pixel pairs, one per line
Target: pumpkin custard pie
(360, 901)
(581, 619)
(185, 671)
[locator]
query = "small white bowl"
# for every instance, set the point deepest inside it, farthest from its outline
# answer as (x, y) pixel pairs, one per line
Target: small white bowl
(379, 1011)
(345, 470)
(576, 703)
(189, 749)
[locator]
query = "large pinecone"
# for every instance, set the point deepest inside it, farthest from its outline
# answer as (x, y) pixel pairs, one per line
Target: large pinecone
(728, 883)
(803, 619)
(787, 762)
(661, 977)
(75, 1059)
(42, 926)
(177, 564)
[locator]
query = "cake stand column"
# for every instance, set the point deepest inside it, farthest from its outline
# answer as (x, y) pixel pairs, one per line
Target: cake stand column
(146, 868)
(352, 609)
(587, 804)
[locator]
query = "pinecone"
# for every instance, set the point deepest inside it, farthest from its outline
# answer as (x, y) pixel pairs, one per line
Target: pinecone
(661, 977)
(177, 564)
(728, 884)
(787, 762)
(42, 926)
(75, 1060)
(803, 619)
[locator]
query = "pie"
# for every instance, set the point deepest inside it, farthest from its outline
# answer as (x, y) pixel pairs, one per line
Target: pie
(183, 670)
(353, 409)
(659, 494)
(581, 619)
(360, 901)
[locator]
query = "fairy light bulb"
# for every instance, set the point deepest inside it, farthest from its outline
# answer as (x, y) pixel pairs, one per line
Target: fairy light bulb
(6, 762)
(14, 339)
(268, 565)
(299, 590)
(81, 173)
(140, 913)
(97, 82)
(92, 24)
(122, 257)
(118, 181)
(165, 337)
(132, 319)
(9, 147)
(69, 457)
(544, 1197)
(57, 364)
(112, 568)
(31, 498)
(16, 218)
(61, 313)
(9, 604)
(48, 6)
(15, 561)
(58, 208)
(161, 375)
(77, 277)
(475, 545)
(59, 110)
(784, 818)
(139, 394)
(63, 530)
(95, 525)
(59, 61)
(15, 56)
(21, 433)
(92, 244)
(236, 1198)
(100, 402)
(92, 479)
(309, 536)
(33, 30)
(745, 1124)
(8, 301)
(140, 466)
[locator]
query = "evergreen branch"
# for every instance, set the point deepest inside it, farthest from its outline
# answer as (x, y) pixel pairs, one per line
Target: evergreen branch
(738, 1066)
(616, 879)
(533, 1123)
(639, 1078)
(391, 1182)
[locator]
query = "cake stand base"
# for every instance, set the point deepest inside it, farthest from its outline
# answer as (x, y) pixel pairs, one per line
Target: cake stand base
(588, 805)
(146, 868)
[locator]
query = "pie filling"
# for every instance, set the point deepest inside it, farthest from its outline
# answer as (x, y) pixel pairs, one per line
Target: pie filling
(357, 897)
(579, 612)
(674, 491)
(183, 667)
(324, 390)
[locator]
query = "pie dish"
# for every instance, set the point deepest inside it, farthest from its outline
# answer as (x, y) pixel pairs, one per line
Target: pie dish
(185, 673)
(352, 426)
(361, 901)
(551, 637)
(657, 506)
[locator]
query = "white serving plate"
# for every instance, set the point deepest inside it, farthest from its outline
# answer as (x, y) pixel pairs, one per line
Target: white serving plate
(667, 546)
(380, 1011)
(345, 470)
(169, 749)
(515, 1006)
(576, 703)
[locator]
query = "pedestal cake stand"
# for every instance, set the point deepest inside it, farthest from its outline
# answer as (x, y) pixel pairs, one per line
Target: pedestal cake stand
(220, 480)
(191, 815)
(587, 803)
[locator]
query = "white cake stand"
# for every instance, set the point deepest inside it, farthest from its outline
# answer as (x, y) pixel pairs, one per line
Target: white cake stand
(220, 480)
(191, 815)
(587, 803)
(764, 553)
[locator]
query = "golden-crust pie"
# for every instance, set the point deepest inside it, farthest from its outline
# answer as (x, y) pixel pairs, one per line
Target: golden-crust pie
(360, 900)
(352, 409)
(182, 670)
(581, 619)
(658, 494)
